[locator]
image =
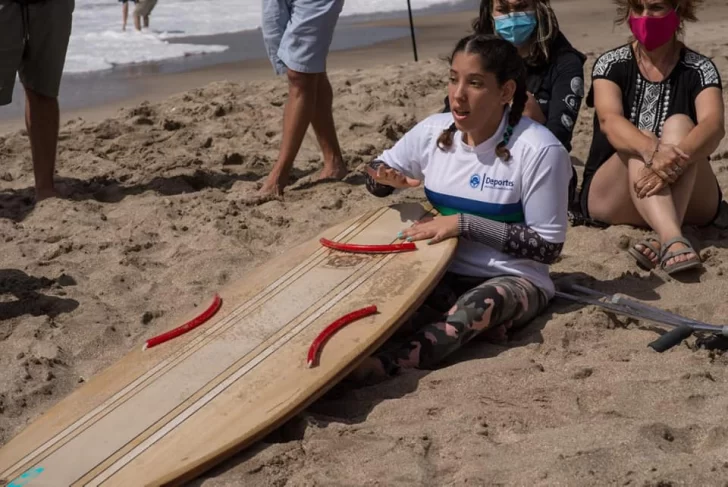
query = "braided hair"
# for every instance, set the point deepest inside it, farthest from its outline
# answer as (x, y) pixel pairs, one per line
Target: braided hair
(500, 58)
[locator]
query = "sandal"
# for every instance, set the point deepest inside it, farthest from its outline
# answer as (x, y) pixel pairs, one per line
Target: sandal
(642, 260)
(679, 266)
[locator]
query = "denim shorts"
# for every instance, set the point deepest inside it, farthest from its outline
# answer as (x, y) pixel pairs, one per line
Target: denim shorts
(298, 33)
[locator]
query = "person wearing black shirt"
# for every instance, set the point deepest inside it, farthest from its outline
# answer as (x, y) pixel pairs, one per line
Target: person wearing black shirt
(659, 116)
(555, 69)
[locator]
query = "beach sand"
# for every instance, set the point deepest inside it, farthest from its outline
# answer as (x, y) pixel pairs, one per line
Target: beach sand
(162, 212)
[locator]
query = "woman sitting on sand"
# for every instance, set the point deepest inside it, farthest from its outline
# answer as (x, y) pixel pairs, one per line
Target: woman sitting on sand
(659, 116)
(554, 69)
(499, 181)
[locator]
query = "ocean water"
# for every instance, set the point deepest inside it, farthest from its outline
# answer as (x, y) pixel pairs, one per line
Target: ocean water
(98, 43)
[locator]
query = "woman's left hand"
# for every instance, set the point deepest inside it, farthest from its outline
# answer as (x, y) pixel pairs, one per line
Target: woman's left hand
(435, 229)
(650, 184)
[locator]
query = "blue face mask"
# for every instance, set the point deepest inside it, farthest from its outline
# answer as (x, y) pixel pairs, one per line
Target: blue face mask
(515, 27)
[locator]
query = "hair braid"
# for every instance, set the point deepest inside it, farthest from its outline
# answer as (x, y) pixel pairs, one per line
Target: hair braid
(520, 97)
(444, 141)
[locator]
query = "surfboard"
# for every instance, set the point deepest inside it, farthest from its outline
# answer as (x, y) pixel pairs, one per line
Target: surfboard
(163, 415)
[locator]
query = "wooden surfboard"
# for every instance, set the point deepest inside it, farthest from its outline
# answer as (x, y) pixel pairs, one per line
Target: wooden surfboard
(163, 415)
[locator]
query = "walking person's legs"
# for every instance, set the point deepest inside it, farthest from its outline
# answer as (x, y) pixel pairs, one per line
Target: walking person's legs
(297, 36)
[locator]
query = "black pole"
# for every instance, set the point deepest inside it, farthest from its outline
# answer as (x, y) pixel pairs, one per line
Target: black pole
(412, 30)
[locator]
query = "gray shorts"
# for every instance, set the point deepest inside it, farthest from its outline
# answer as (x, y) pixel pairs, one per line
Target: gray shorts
(298, 33)
(144, 7)
(40, 60)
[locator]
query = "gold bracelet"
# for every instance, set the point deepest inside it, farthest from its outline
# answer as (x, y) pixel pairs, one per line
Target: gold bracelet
(649, 163)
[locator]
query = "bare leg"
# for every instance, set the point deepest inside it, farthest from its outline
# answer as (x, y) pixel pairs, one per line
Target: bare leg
(695, 194)
(146, 21)
(42, 121)
(325, 129)
(692, 199)
(124, 14)
(297, 116)
(137, 22)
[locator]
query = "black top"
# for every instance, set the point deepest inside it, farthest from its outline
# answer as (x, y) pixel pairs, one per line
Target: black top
(558, 87)
(646, 104)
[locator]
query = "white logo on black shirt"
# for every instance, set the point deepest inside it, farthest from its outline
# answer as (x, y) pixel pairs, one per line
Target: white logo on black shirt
(577, 86)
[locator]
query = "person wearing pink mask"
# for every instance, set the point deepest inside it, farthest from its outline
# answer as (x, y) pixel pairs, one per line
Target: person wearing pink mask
(659, 116)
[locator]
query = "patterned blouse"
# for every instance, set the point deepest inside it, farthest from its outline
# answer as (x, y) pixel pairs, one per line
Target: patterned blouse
(645, 103)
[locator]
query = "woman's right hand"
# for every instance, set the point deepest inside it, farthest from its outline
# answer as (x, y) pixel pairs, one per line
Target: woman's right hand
(669, 162)
(392, 177)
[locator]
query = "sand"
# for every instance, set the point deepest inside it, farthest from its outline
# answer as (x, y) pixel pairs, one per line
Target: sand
(162, 211)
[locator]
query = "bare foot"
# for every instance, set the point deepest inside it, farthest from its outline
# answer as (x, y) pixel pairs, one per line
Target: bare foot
(272, 187)
(336, 171)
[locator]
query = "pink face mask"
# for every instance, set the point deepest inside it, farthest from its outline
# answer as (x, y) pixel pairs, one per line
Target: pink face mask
(653, 32)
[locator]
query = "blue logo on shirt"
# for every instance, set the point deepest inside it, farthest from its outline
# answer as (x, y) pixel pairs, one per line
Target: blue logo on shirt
(481, 182)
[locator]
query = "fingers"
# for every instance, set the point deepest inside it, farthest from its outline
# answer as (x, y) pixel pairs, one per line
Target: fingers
(415, 234)
(413, 183)
(654, 191)
(389, 174)
(378, 174)
(436, 229)
(681, 153)
(643, 188)
(670, 175)
(390, 177)
(649, 189)
(677, 154)
(420, 230)
(436, 239)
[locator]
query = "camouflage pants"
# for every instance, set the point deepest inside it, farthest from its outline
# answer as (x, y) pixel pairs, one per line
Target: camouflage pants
(459, 309)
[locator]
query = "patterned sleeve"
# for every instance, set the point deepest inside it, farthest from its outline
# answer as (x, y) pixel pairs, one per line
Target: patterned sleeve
(510, 238)
(611, 65)
(378, 190)
(706, 74)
